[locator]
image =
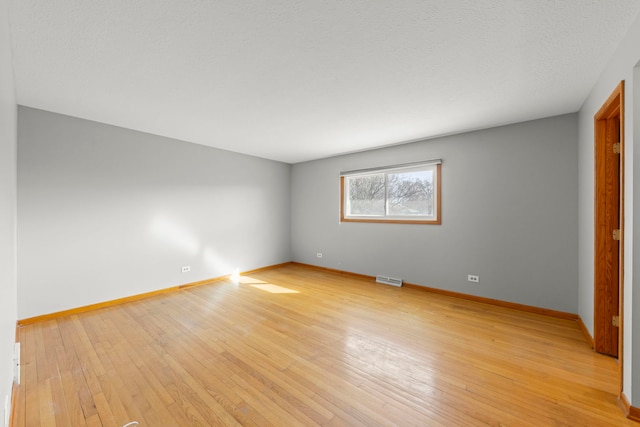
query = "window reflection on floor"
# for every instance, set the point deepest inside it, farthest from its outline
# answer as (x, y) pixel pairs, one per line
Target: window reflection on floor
(389, 360)
(264, 286)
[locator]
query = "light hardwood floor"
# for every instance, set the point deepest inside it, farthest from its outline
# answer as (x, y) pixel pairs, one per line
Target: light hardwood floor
(300, 346)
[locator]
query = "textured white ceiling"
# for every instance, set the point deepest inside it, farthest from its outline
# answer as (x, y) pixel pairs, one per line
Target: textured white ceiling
(296, 80)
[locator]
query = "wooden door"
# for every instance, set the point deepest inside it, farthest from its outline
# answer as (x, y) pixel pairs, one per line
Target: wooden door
(608, 224)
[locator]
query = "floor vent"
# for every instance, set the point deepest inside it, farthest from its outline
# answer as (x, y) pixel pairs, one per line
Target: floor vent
(389, 281)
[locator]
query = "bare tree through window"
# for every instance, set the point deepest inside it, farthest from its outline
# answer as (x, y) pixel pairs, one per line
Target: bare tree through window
(367, 194)
(408, 194)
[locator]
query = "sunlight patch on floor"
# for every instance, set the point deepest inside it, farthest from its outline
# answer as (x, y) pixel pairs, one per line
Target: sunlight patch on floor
(274, 289)
(246, 280)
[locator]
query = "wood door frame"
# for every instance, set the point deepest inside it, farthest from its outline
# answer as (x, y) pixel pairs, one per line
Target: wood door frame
(612, 107)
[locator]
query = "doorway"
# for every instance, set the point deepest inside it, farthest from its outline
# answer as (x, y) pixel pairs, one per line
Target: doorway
(609, 233)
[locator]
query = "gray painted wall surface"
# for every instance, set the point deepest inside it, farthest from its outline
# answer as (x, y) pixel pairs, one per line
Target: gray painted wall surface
(106, 212)
(509, 209)
(7, 208)
(620, 67)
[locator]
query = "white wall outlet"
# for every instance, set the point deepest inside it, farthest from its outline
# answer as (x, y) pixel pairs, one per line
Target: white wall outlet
(186, 268)
(319, 254)
(473, 278)
(16, 363)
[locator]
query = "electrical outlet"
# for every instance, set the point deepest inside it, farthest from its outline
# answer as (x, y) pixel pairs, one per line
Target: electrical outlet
(473, 278)
(319, 254)
(186, 268)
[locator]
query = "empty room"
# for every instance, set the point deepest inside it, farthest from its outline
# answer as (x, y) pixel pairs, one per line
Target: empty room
(333, 213)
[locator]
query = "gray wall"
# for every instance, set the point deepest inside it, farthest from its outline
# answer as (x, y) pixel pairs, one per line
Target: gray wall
(620, 67)
(106, 212)
(509, 208)
(7, 208)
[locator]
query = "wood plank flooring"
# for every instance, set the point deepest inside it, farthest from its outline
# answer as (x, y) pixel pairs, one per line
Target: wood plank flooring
(295, 346)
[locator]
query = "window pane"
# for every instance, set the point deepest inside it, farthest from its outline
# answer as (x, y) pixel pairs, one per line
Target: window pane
(411, 193)
(366, 195)
(396, 194)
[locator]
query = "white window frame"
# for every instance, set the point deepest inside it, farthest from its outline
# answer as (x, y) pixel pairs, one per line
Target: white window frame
(431, 165)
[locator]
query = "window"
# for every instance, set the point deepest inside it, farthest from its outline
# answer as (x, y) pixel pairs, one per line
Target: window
(405, 193)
